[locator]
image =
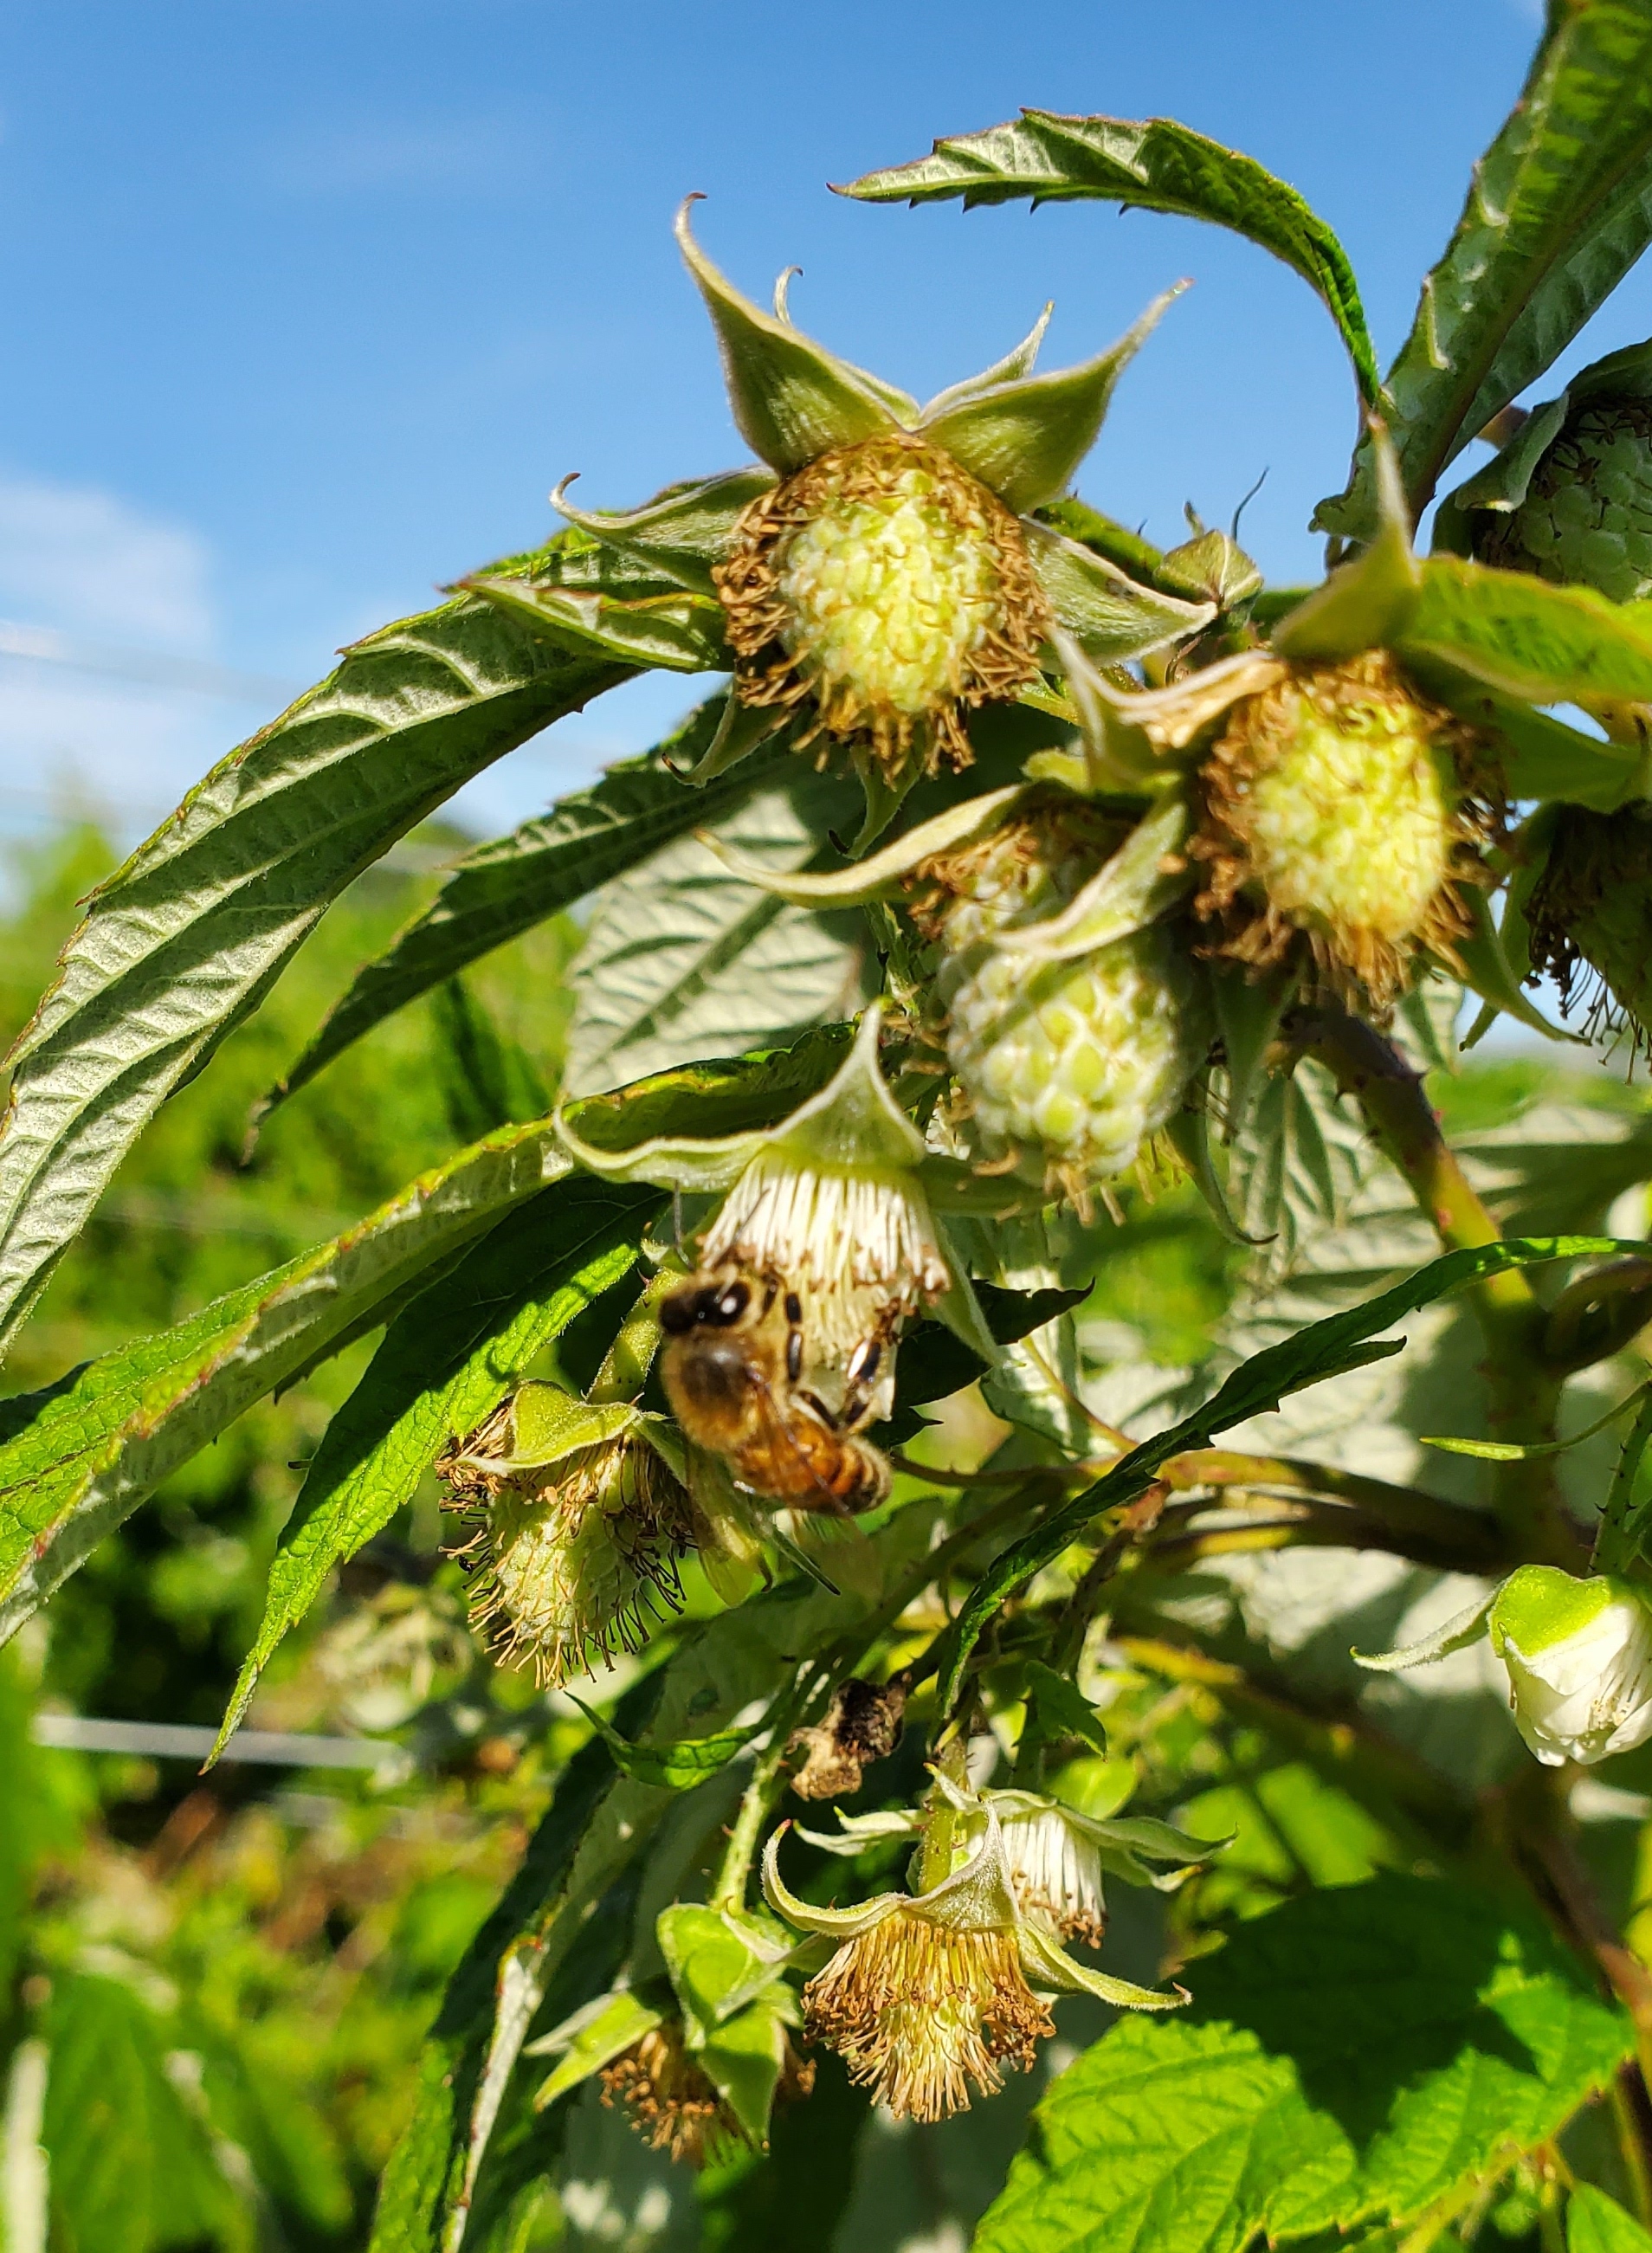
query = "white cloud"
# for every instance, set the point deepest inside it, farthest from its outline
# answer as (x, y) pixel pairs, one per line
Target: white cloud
(89, 568)
(88, 563)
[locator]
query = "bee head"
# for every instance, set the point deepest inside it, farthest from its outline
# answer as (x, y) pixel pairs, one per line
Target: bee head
(720, 1305)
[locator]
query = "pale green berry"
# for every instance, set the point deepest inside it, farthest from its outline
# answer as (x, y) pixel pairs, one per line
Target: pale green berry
(890, 592)
(1074, 1064)
(1336, 807)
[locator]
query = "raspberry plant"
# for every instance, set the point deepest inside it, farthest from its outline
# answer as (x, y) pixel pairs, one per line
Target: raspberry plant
(1017, 893)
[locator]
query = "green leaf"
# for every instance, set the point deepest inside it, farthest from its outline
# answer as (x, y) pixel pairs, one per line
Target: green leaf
(683, 960)
(187, 937)
(487, 1079)
(1153, 165)
(1064, 1704)
(1559, 209)
(671, 1768)
(1322, 1350)
(446, 1362)
(1300, 1155)
(132, 2165)
(1596, 2223)
(1352, 2057)
(80, 1457)
(505, 886)
(1526, 639)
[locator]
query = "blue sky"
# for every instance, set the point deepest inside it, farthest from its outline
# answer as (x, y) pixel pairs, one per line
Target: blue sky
(310, 302)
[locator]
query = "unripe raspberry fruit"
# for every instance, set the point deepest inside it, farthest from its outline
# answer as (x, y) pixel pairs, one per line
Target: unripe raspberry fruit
(1590, 912)
(1074, 1063)
(1586, 517)
(1338, 805)
(889, 587)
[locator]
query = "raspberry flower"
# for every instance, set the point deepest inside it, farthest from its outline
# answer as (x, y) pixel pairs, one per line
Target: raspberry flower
(928, 1994)
(1057, 1857)
(832, 1206)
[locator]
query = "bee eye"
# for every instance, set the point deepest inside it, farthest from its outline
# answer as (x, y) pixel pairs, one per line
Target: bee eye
(679, 1313)
(864, 1364)
(794, 1308)
(730, 1305)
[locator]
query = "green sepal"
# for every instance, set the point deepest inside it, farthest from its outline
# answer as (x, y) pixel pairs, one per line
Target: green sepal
(723, 1096)
(680, 634)
(872, 879)
(590, 2040)
(1479, 959)
(1016, 363)
(1188, 1135)
(744, 729)
(745, 2060)
(718, 1961)
(1365, 604)
(1541, 757)
(1248, 1011)
(679, 1767)
(1503, 483)
(1539, 1606)
(851, 1121)
(548, 1424)
(791, 400)
(1110, 618)
(1025, 438)
(1119, 754)
(1512, 1451)
(1456, 1633)
(884, 798)
(682, 532)
(1132, 890)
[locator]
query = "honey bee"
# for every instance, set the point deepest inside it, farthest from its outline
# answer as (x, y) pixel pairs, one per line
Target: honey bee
(733, 1370)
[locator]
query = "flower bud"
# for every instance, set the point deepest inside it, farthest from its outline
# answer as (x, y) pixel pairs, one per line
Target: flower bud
(1339, 804)
(1579, 1654)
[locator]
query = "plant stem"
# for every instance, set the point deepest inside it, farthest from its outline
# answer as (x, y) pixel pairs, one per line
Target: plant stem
(1522, 1391)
